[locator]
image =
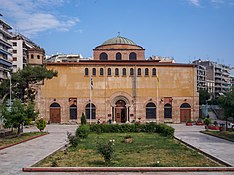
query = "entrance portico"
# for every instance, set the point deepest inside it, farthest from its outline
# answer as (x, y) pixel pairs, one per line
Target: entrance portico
(120, 109)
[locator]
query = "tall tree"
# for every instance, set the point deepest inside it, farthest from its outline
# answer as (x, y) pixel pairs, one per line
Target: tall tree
(227, 103)
(203, 96)
(23, 81)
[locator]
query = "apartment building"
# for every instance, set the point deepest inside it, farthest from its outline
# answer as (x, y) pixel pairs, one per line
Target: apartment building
(25, 52)
(218, 77)
(61, 58)
(5, 49)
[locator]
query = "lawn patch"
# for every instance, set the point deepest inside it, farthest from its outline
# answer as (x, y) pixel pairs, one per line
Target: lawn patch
(227, 135)
(10, 141)
(146, 150)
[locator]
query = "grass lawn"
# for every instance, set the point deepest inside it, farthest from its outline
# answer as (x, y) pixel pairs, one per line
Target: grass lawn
(228, 135)
(145, 151)
(24, 136)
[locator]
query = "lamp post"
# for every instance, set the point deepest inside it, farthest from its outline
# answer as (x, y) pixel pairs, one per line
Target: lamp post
(9, 76)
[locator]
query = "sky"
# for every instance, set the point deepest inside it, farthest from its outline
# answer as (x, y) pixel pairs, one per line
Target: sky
(183, 29)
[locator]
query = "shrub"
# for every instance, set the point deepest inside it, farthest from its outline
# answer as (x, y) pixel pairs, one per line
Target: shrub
(83, 119)
(106, 150)
(41, 124)
(82, 131)
(165, 130)
(207, 121)
(73, 140)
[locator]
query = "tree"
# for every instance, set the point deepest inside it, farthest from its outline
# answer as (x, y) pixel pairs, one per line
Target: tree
(227, 103)
(23, 81)
(15, 116)
(203, 96)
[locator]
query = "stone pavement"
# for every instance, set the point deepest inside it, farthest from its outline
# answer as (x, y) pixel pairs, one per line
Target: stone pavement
(213, 146)
(13, 159)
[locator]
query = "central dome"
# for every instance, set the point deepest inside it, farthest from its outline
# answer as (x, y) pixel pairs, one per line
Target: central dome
(119, 40)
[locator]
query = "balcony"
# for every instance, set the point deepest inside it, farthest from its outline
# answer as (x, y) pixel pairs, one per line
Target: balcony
(5, 32)
(5, 41)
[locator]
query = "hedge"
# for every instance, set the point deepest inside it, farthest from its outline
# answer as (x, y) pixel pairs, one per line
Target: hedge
(152, 127)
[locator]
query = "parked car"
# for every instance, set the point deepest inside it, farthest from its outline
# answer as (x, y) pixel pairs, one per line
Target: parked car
(230, 125)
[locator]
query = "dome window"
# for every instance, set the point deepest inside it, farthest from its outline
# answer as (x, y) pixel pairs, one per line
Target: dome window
(132, 56)
(103, 56)
(118, 56)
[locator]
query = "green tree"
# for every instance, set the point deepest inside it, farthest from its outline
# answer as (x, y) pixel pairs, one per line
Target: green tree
(227, 103)
(23, 81)
(15, 116)
(203, 96)
(83, 119)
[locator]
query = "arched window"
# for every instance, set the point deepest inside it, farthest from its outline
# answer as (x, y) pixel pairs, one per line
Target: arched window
(55, 105)
(73, 112)
(109, 71)
(132, 56)
(101, 72)
(185, 105)
(116, 72)
(86, 71)
(124, 71)
(131, 72)
(167, 111)
(93, 111)
(139, 71)
(32, 56)
(146, 72)
(103, 56)
(118, 56)
(94, 71)
(150, 111)
(153, 72)
(38, 56)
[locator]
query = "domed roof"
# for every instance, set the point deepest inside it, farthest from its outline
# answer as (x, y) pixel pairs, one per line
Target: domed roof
(119, 40)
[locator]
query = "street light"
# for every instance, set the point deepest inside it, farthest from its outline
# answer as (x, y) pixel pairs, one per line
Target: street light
(9, 76)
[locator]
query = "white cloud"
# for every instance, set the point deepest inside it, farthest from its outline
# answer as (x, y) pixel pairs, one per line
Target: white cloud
(196, 3)
(31, 17)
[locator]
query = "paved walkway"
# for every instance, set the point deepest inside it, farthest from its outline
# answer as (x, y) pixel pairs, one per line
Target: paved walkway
(14, 158)
(214, 146)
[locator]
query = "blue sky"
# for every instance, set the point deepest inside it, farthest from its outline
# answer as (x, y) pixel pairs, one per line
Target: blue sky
(183, 29)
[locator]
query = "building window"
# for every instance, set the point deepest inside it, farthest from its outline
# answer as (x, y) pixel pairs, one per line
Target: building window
(73, 112)
(132, 56)
(167, 111)
(32, 56)
(14, 43)
(103, 56)
(139, 71)
(101, 72)
(109, 71)
(94, 72)
(86, 71)
(150, 111)
(38, 56)
(116, 72)
(14, 51)
(131, 72)
(146, 72)
(124, 71)
(14, 58)
(154, 72)
(118, 56)
(92, 109)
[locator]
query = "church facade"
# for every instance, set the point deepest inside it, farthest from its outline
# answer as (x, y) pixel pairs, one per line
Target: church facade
(121, 86)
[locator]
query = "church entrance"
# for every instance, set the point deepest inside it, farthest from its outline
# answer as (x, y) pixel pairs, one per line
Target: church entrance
(120, 111)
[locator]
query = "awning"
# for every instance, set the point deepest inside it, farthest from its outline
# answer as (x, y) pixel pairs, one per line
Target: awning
(5, 63)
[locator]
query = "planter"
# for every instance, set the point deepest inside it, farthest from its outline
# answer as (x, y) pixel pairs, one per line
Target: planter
(217, 128)
(199, 123)
(189, 124)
